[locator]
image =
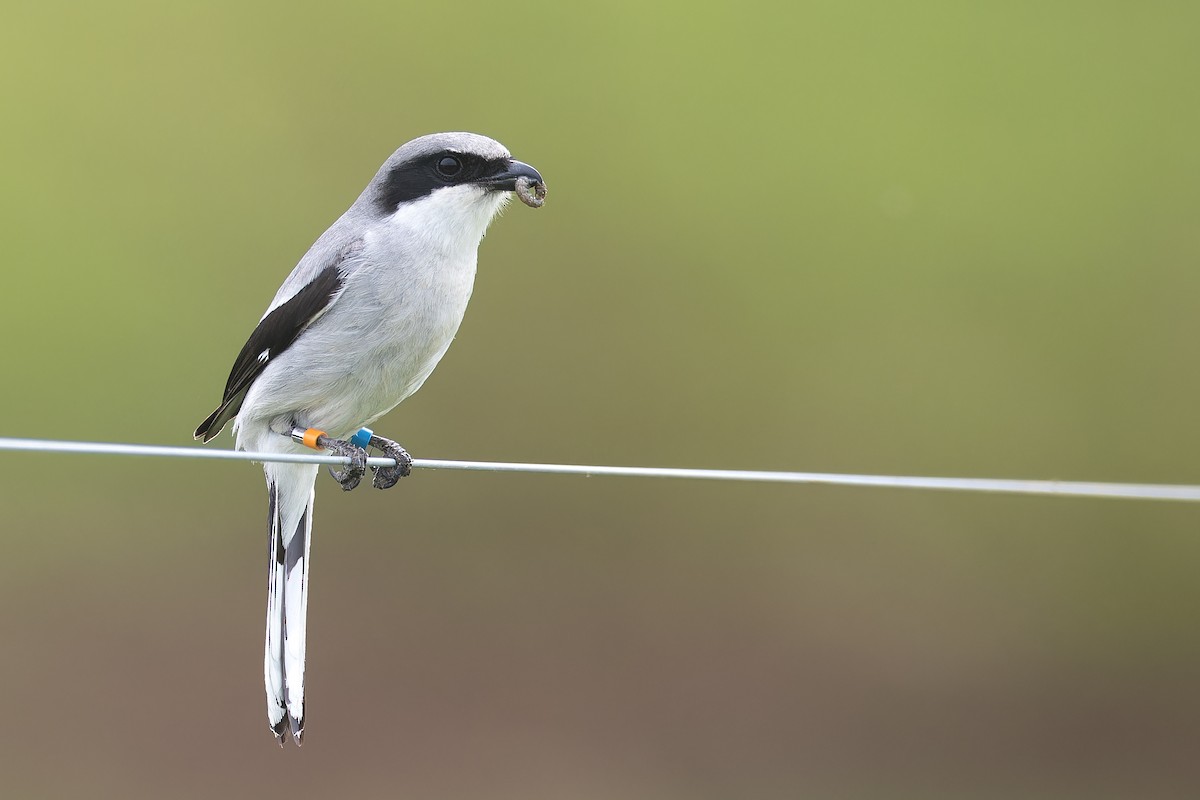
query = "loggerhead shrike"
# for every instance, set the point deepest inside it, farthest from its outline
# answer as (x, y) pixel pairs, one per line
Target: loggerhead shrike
(357, 327)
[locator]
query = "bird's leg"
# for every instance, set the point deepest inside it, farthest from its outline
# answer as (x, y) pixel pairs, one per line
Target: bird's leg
(347, 477)
(386, 477)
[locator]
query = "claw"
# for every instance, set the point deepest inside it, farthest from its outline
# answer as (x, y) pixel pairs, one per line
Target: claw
(352, 473)
(386, 477)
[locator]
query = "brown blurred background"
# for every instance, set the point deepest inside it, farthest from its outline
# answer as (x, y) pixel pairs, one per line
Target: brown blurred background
(930, 238)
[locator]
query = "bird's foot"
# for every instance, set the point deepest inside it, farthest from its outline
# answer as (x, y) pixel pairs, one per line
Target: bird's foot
(349, 476)
(386, 477)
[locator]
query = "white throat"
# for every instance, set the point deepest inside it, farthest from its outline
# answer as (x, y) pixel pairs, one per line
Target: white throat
(449, 222)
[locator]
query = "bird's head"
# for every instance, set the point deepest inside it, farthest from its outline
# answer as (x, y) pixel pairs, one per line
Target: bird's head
(457, 179)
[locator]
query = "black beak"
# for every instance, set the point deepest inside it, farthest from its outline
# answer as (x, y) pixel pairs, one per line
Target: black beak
(506, 179)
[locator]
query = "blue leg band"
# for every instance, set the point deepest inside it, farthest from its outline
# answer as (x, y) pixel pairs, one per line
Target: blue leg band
(362, 438)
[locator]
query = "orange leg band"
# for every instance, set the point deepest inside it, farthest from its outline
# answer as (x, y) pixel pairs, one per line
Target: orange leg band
(310, 438)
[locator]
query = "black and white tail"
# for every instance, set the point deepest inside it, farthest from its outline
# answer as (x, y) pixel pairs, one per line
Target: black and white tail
(289, 523)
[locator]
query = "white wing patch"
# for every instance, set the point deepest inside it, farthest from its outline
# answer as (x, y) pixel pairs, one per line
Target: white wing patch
(264, 356)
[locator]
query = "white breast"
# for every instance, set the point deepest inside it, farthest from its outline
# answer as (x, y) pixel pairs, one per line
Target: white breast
(401, 307)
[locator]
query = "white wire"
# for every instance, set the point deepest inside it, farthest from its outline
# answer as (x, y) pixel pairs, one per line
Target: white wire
(1132, 491)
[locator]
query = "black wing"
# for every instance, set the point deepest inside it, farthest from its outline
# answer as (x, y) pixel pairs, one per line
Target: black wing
(273, 335)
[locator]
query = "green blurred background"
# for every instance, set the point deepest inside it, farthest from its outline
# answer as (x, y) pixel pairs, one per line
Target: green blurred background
(925, 238)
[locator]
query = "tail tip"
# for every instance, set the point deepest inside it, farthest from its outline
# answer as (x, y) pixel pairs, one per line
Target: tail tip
(280, 729)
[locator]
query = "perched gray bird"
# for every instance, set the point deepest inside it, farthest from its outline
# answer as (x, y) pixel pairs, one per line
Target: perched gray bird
(357, 327)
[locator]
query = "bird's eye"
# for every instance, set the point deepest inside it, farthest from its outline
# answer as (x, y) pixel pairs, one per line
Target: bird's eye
(449, 166)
